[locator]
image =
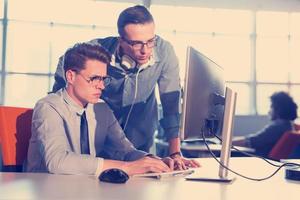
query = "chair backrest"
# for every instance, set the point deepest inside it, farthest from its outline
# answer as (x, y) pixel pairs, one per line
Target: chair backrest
(15, 133)
(285, 145)
(297, 127)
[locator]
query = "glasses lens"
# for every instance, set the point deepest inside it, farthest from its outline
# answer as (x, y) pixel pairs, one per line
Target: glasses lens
(98, 79)
(151, 43)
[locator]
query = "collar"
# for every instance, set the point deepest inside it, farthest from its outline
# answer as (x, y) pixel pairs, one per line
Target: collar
(72, 104)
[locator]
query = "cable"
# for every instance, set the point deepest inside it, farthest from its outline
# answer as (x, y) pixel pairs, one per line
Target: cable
(134, 98)
(249, 154)
(256, 156)
(241, 175)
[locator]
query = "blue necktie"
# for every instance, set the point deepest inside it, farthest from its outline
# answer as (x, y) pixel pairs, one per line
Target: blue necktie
(84, 135)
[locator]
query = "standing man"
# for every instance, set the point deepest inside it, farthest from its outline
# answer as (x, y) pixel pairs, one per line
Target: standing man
(74, 134)
(140, 60)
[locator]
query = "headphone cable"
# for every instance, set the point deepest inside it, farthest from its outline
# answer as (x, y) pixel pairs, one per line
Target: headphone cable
(134, 98)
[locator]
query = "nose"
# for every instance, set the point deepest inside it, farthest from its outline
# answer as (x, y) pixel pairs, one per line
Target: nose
(144, 49)
(100, 85)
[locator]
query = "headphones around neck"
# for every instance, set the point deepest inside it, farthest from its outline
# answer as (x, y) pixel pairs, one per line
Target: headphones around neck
(129, 63)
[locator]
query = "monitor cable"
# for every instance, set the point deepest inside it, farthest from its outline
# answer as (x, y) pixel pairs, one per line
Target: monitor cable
(241, 175)
(256, 156)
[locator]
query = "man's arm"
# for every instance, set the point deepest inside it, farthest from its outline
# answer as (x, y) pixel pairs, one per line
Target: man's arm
(117, 146)
(240, 141)
(169, 88)
(51, 142)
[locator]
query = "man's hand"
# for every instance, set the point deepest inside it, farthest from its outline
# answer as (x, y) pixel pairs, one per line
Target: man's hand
(181, 163)
(147, 164)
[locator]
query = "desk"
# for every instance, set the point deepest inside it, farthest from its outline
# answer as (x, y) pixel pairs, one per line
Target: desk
(48, 186)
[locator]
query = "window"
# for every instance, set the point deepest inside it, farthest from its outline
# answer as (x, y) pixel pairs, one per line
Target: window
(25, 90)
(259, 50)
(39, 32)
(222, 35)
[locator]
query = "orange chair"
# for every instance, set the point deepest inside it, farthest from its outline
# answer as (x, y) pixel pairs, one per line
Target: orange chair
(285, 145)
(15, 132)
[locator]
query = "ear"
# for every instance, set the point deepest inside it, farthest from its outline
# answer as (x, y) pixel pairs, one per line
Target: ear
(70, 76)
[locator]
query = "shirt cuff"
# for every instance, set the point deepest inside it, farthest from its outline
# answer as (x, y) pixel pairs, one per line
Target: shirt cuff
(99, 167)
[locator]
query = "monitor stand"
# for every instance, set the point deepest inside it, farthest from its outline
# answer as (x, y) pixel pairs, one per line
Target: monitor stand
(230, 101)
(211, 179)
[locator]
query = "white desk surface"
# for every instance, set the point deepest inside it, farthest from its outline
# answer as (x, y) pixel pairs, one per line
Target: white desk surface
(49, 186)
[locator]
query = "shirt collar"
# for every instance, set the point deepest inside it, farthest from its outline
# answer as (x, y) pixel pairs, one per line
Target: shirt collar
(73, 105)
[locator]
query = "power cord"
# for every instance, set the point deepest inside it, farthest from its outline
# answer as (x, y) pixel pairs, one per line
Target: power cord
(248, 154)
(241, 175)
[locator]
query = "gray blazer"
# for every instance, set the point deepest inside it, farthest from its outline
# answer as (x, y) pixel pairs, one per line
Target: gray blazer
(55, 142)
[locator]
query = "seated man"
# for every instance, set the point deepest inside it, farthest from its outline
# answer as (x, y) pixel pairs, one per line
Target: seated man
(283, 112)
(69, 137)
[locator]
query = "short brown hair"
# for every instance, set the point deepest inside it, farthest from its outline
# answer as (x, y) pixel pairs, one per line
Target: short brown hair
(76, 57)
(133, 15)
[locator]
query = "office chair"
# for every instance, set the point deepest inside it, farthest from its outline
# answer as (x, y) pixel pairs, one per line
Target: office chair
(297, 127)
(15, 132)
(285, 145)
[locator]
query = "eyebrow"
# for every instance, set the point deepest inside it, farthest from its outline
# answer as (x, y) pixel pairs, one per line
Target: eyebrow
(142, 41)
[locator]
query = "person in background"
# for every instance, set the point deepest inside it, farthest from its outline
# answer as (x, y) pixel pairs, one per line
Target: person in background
(141, 60)
(72, 133)
(283, 112)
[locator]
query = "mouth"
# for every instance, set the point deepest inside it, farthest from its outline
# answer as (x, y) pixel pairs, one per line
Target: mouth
(97, 95)
(143, 58)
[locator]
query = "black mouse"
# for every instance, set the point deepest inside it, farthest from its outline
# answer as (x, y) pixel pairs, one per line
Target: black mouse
(114, 176)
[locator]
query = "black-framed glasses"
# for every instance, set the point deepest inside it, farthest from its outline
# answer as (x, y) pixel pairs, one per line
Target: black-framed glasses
(137, 45)
(95, 80)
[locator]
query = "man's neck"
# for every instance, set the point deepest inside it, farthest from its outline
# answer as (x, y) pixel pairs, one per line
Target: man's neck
(74, 97)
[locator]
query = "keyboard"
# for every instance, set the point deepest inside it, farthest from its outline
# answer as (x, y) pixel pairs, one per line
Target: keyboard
(201, 142)
(177, 173)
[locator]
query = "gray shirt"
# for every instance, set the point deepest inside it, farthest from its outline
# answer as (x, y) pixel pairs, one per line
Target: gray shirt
(55, 142)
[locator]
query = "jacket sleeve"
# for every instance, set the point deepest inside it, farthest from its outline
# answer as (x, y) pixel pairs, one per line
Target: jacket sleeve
(50, 141)
(117, 146)
(169, 89)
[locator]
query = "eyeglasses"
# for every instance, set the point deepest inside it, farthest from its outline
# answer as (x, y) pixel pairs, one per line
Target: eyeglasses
(95, 80)
(137, 45)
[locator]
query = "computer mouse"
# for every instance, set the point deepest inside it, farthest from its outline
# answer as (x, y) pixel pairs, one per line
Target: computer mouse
(114, 176)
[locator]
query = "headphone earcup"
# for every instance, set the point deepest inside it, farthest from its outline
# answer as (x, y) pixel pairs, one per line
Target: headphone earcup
(128, 62)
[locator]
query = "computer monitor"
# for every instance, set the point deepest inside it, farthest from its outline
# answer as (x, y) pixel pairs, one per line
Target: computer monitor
(203, 100)
(206, 110)
(227, 128)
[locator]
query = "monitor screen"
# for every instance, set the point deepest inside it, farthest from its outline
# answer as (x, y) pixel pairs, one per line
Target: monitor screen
(203, 97)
